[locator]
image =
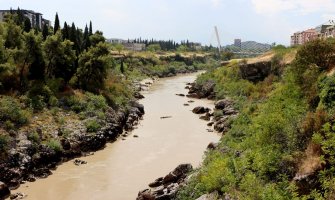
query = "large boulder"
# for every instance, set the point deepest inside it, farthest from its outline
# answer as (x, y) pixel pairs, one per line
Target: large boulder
(211, 196)
(200, 110)
(166, 188)
(255, 72)
(4, 191)
(222, 104)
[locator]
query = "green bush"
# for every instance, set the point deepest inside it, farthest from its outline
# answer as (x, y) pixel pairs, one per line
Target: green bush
(9, 125)
(38, 102)
(34, 137)
(327, 94)
(10, 110)
(55, 84)
(55, 145)
(92, 125)
(53, 101)
(4, 140)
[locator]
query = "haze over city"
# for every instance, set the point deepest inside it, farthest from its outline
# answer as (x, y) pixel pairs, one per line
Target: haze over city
(263, 21)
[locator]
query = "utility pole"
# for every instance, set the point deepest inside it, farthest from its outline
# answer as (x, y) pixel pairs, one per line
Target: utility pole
(218, 38)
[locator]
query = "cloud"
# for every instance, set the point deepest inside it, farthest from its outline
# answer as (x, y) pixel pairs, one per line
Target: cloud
(216, 3)
(328, 16)
(273, 7)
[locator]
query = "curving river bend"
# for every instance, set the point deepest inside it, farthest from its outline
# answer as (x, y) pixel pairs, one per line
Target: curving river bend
(123, 168)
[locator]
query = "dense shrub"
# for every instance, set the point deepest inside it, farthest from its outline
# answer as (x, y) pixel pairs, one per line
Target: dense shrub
(55, 145)
(4, 140)
(92, 125)
(10, 110)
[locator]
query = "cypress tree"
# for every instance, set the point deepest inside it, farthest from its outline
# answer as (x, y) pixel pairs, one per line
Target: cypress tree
(65, 31)
(122, 67)
(20, 17)
(90, 32)
(45, 31)
(56, 26)
(27, 25)
(86, 39)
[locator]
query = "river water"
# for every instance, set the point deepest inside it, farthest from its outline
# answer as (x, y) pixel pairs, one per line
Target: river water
(126, 166)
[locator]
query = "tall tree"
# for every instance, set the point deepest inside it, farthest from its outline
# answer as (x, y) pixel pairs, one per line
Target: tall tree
(86, 39)
(20, 17)
(59, 57)
(32, 57)
(65, 31)
(56, 26)
(45, 31)
(27, 25)
(93, 65)
(13, 36)
(90, 32)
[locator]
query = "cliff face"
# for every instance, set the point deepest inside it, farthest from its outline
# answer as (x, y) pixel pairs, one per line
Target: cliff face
(255, 71)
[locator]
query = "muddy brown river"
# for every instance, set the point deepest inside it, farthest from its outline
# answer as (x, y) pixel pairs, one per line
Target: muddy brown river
(126, 166)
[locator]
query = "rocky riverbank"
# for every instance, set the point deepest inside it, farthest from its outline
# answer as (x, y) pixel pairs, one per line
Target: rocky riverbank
(166, 188)
(28, 161)
(224, 111)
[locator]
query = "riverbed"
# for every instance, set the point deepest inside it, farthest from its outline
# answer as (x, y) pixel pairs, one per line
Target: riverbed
(126, 166)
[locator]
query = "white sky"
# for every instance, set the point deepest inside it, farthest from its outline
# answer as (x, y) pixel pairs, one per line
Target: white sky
(260, 20)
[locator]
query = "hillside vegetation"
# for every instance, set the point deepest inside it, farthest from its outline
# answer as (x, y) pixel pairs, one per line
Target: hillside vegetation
(64, 92)
(282, 144)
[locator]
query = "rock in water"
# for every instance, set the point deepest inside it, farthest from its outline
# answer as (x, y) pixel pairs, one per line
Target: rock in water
(167, 187)
(200, 110)
(222, 104)
(4, 191)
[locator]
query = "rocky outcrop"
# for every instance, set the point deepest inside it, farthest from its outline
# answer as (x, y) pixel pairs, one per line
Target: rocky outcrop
(200, 110)
(166, 188)
(205, 90)
(29, 161)
(4, 191)
(255, 72)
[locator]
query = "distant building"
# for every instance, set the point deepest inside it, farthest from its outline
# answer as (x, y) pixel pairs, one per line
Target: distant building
(303, 37)
(130, 45)
(35, 18)
(238, 43)
(116, 41)
(248, 47)
(325, 30)
(196, 46)
(134, 46)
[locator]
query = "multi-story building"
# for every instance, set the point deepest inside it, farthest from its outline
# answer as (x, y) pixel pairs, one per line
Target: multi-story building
(130, 45)
(35, 18)
(323, 31)
(238, 43)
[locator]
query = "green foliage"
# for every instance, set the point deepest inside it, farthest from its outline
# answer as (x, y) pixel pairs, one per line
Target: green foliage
(227, 55)
(319, 52)
(39, 94)
(12, 36)
(56, 25)
(10, 110)
(89, 105)
(264, 137)
(93, 66)
(154, 47)
(55, 145)
(182, 48)
(4, 140)
(92, 125)
(59, 57)
(327, 93)
(34, 137)
(9, 125)
(96, 38)
(33, 56)
(325, 138)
